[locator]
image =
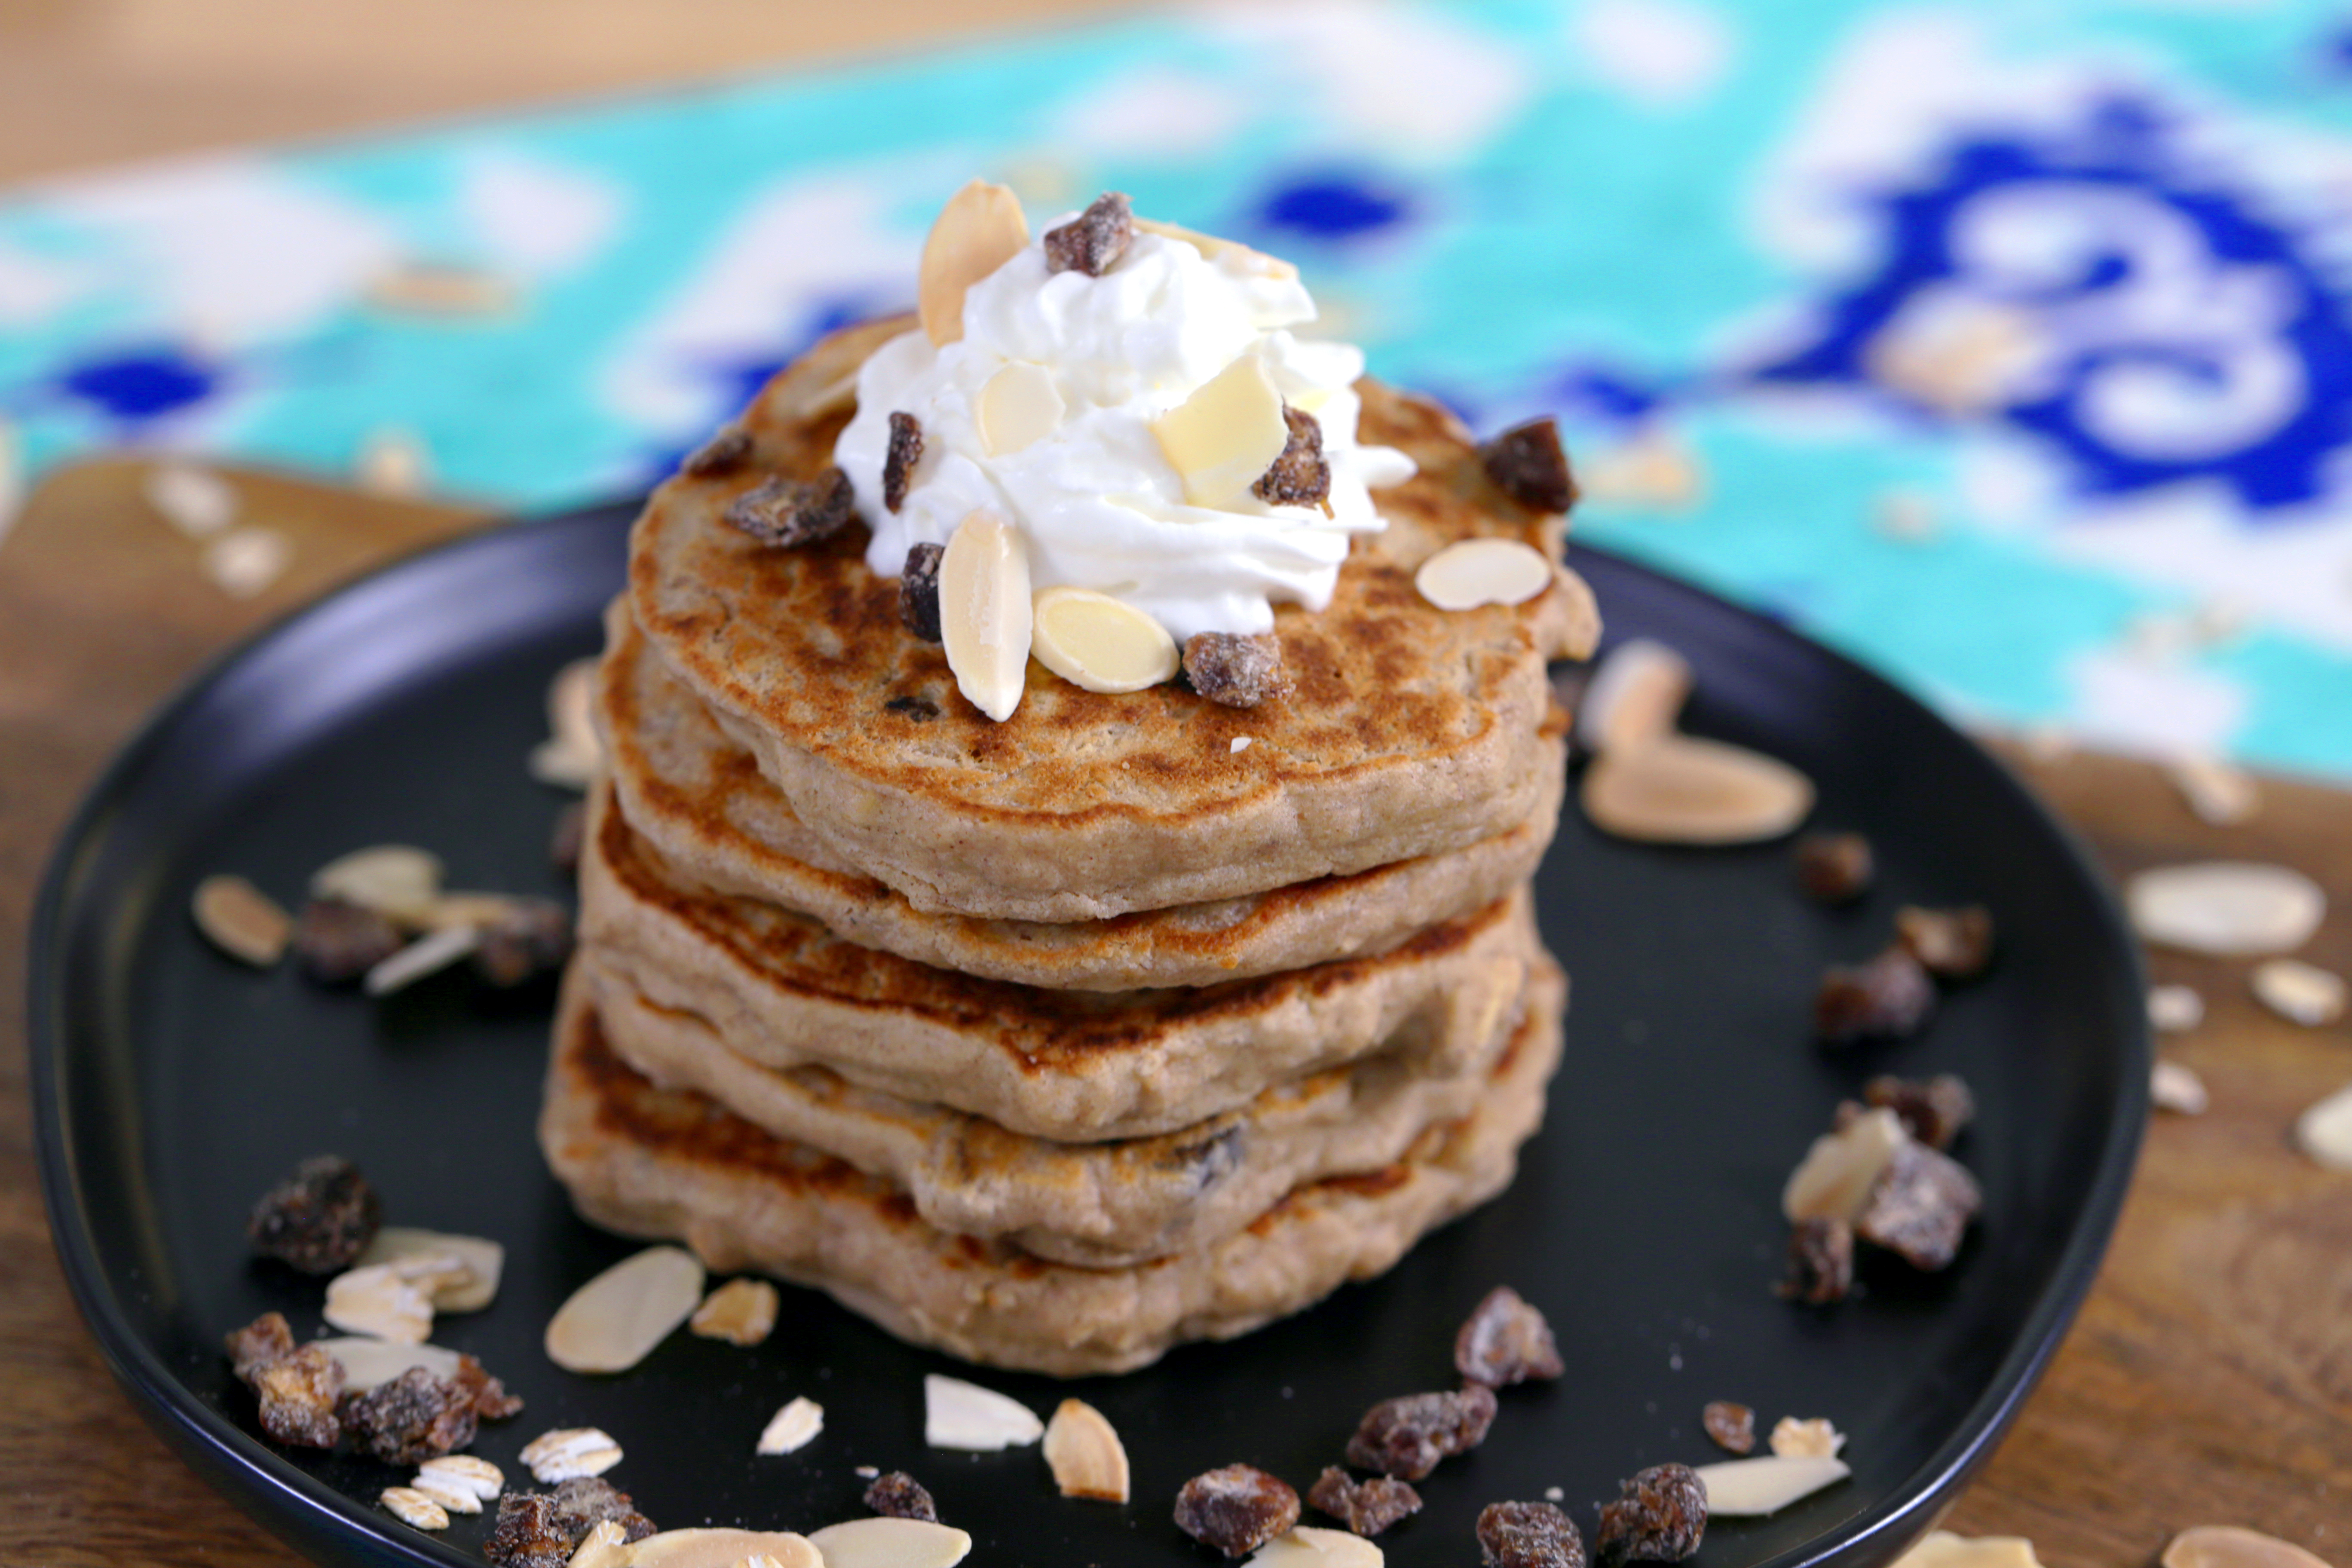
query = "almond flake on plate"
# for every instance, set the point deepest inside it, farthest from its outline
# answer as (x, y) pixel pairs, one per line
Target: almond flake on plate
(246, 562)
(1813, 1439)
(570, 1453)
(2229, 908)
(477, 1477)
(886, 1542)
(1635, 695)
(711, 1549)
(398, 882)
(412, 1507)
(242, 921)
(369, 1362)
(984, 612)
(615, 1321)
(959, 1414)
(195, 501)
(1750, 1487)
(792, 1428)
(2177, 1088)
(1942, 1549)
(483, 1262)
(1684, 790)
(428, 955)
(1835, 1178)
(1085, 1454)
(376, 1301)
(1098, 643)
(1308, 1546)
(2175, 1008)
(741, 1312)
(1475, 572)
(571, 755)
(2299, 992)
(979, 230)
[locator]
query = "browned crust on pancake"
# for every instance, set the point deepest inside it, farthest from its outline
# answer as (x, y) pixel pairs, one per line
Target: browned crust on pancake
(1073, 1065)
(1410, 731)
(661, 1163)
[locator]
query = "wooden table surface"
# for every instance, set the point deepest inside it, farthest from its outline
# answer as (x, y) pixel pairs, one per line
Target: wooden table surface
(2209, 1378)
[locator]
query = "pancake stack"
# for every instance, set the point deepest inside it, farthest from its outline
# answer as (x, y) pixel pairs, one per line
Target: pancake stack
(1130, 1020)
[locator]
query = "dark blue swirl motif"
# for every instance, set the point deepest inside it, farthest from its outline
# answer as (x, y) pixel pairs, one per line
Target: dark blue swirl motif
(2144, 313)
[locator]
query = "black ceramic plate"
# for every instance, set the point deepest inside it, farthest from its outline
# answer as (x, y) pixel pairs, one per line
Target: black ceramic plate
(173, 1086)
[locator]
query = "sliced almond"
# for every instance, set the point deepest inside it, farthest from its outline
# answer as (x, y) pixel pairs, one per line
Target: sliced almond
(615, 1320)
(792, 1428)
(2298, 992)
(2216, 792)
(1475, 572)
(478, 1478)
(1217, 249)
(1685, 790)
(607, 1545)
(368, 1363)
(1085, 1454)
(242, 921)
(1226, 434)
(1834, 1179)
(1018, 407)
(720, 1549)
(398, 882)
(887, 1543)
(2324, 1131)
(1942, 1549)
(1098, 643)
(2176, 1089)
(2234, 1546)
(959, 1414)
(741, 1312)
(979, 230)
(984, 621)
(1814, 1439)
(428, 955)
(471, 908)
(376, 1301)
(484, 1262)
(412, 1507)
(1750, 1487)
(569, 1453)
(2232, 908)
(2173, 1008)
(571, 755)
(196, 501)
(452, 1499)
(1634, 697)
(246, 561)
(1309, 1547)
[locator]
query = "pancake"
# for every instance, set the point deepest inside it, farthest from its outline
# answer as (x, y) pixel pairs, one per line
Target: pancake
(1077, 1066)
(666, 1164)
(1096, 1204)
(1411, 731)
(702, 803)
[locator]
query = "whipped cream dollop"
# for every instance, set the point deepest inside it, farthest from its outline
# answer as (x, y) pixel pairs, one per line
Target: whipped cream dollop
(1096, 502)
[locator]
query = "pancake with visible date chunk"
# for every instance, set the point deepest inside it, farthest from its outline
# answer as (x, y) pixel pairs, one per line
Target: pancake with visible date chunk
(1409, 732)
(704, 806)
(1101, 1204)
(669, 1164)
(1077, 1066)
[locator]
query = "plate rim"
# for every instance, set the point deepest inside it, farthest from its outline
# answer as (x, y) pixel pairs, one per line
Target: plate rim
(307, 1514)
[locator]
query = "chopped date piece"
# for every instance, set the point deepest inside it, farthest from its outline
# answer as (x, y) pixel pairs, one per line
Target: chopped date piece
(1835, 867)
(721, 454)
(1885, 999)
(1659, 1517)
(1921, 1207)
(1952, 944)
(1301, 476)
(415, 1418)
(570, 835)
(919, 591)
(1733, 1426)
(899, 463)
(296, 1387)
(1506, 1342)
(527, 1535)
(336, 943)
(1366, 1507)
(584, 1502)
(1821, 1262)
(1527, 464)
(1235, 670)
(900, 1496)
(266, 1338)
(789, 512)
(531, 939)
(1932, 1110)
(1236, 1509)
(319, 1219)
(1528, 1535)
(1405, 1437)
(1093, 241)
(491, 1400)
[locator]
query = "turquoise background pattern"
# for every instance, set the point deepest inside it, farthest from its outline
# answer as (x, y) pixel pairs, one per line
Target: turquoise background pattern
(2008, 346)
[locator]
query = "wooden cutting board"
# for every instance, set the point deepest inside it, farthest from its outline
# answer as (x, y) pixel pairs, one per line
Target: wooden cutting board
(2207, 1380)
